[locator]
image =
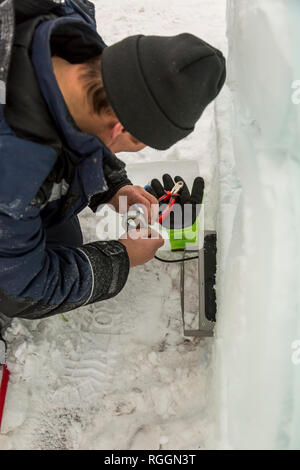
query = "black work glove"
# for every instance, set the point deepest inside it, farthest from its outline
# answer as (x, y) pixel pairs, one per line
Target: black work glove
(187, 206)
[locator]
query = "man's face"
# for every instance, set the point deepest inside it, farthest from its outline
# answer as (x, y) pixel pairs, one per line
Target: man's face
(111, 132)
(105, 125)
(125, 142)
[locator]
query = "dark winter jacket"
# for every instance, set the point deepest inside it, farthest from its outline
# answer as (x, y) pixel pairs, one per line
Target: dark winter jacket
(50, 171)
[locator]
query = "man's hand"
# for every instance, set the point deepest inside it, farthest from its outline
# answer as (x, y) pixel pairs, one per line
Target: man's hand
(136, 195)
(141, 245)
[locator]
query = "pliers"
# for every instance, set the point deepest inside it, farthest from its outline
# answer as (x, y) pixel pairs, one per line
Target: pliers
(171, 198)
(5, 377)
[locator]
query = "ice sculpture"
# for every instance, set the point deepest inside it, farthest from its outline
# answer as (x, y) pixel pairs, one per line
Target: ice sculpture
(258, 328)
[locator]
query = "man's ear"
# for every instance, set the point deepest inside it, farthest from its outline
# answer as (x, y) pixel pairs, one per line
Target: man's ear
(117, 131)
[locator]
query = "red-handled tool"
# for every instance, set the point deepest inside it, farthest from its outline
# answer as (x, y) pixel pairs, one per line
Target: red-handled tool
(170, 197)
(5, 378)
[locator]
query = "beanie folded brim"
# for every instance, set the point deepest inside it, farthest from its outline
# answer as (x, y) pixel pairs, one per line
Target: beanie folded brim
(132, 100)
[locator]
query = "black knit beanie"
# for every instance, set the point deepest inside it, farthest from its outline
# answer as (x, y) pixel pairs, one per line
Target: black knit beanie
(159, 86)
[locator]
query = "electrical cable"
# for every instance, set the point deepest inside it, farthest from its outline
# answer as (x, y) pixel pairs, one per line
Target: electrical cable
(176, 260)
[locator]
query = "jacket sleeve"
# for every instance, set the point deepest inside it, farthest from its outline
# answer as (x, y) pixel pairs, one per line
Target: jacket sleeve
(36, 281)
(116, 178)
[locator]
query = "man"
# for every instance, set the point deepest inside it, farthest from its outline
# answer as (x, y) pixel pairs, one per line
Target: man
(72, 103)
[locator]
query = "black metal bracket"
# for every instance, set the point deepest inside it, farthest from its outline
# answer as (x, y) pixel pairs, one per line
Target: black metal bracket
(206, 280)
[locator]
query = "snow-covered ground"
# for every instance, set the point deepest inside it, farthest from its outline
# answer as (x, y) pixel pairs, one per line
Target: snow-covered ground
(119, 374)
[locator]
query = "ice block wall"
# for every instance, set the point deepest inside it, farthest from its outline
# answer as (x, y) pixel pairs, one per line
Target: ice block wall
(258, 330)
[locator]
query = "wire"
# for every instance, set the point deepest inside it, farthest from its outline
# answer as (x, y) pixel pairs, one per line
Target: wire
(176, 260)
